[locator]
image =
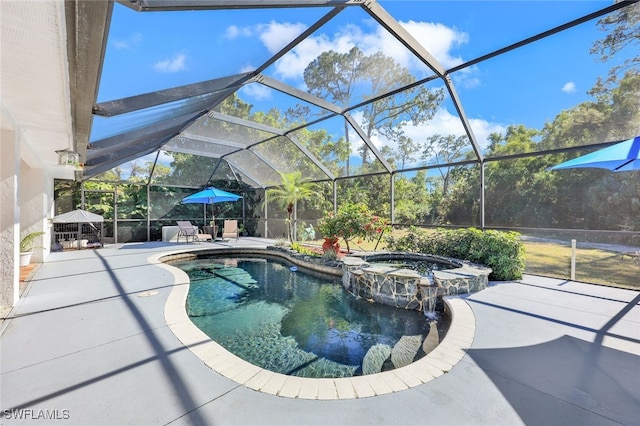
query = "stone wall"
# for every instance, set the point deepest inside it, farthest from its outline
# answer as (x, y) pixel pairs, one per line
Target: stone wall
(406, 288)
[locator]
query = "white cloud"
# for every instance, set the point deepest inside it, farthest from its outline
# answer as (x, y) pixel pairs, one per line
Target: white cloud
(164, 157)
(466, 78)
(175, 64)
(247, 68)
(483, 128)
(276, 35)
(438, 39)
(292, 65)
(443, 123)
(256, 91)
(569, 87)
(129, 43)
(233, 32)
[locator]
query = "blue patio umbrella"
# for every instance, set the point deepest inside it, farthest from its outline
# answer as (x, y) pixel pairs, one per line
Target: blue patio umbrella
(621, 157)
(211, 196)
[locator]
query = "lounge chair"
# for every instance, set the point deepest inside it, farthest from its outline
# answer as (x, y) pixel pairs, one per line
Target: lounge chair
(187, 230)
(203, 236)
(230, 229)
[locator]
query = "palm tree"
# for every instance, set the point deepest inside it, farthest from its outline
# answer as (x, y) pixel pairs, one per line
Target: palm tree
(292, 188)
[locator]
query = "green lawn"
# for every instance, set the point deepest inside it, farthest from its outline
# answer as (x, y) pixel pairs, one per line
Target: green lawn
(592, 265)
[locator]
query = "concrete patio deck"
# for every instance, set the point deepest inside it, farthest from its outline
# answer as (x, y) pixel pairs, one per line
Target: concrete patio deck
(88, 344)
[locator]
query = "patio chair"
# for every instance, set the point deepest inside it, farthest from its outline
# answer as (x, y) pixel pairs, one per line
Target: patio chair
(230, 229)
(203, 236)
(187, 230)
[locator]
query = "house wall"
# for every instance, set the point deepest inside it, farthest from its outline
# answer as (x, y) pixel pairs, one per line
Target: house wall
(9, 216)
(26, 197)
(35, 121)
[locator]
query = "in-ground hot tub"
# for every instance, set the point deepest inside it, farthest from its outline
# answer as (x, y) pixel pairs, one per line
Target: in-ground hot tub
(411, 280)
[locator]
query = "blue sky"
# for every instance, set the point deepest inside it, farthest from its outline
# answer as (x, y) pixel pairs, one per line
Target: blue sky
(158, 50)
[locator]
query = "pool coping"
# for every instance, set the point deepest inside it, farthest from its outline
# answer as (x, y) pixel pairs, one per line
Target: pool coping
(441, 360)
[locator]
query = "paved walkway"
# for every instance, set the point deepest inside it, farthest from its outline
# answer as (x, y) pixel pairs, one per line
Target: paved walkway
(88, 344)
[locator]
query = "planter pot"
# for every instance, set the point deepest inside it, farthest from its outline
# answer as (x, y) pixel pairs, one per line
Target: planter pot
(25, 258)
(330, 244)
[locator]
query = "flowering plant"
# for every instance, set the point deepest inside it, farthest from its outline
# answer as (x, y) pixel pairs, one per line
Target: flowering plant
(329, 226)
(353, 221)
(376, 228)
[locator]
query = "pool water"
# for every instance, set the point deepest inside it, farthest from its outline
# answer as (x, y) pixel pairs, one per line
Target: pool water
(421, 266)
(297, 324)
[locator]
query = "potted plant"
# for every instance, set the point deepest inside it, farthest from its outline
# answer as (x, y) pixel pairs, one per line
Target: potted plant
(27, 247)
(242, 230)
(330, 228)
(352, 221)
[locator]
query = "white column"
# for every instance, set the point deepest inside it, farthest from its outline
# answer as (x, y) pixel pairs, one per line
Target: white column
(36, 205)
(9, 219)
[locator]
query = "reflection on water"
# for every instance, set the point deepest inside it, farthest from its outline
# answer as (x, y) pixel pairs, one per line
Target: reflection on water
(293, 323)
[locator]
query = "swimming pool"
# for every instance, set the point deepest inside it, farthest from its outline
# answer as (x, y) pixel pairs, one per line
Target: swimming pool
(295, 324)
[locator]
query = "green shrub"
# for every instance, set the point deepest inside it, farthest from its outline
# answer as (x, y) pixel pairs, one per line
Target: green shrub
(330, 255)
(302, 249)
(502, 251)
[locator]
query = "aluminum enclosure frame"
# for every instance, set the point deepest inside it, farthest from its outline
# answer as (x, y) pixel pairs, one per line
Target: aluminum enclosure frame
(108, 153)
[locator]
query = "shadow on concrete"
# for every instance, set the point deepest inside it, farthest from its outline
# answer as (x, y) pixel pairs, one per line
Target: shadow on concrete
(565, 375)
(161, 354)
(589, 382)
